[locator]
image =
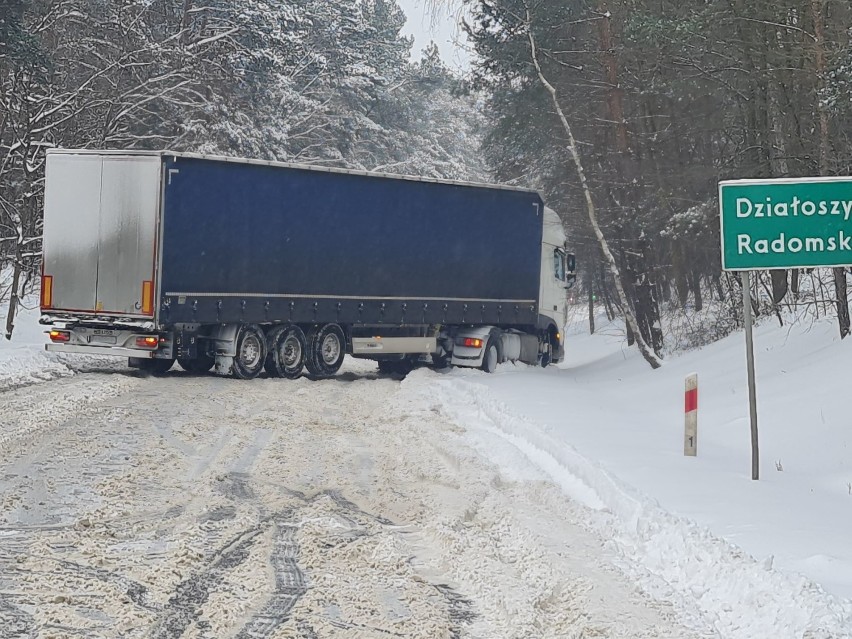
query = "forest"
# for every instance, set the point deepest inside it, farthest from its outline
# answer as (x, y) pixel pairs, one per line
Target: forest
(624, 114)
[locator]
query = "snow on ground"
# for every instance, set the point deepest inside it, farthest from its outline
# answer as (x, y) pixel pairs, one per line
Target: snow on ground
(454, 502)
(752, 559)
(202, 507)
(24, 361)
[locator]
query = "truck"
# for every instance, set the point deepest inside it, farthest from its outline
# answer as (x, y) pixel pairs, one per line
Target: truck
(245, 266)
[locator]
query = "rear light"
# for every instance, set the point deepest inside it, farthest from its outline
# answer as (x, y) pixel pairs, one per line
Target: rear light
(60, 336)
(46, 291)
(472, 342)
(148, 341)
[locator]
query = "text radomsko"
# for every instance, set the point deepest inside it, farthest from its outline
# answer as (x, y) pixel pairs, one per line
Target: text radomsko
(796, 207)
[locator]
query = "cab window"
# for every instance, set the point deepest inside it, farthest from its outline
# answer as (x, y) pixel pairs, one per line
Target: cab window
(559, 264)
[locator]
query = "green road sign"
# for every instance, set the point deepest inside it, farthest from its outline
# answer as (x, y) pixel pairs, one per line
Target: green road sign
(786, 223)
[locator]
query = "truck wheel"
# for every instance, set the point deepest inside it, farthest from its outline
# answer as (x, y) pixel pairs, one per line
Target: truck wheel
(156, 366)
(326, 349)
(489, 361)
(546, 358)
(387, 366)
(286, 357)
(251, 352)
(401, 366)
(440, 362)
(198, 366)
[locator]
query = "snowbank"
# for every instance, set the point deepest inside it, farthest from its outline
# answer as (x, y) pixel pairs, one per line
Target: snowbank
(23, 360)
(749, 559)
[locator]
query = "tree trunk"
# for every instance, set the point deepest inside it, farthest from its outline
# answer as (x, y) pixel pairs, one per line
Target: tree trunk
(794, 281)
(607, 301)
(630, 319)
(779, 285)
(695, 282)
(841, 295)
(591, 306)
(780, 168)
(14, 293)
(184, 21)
(717, 282)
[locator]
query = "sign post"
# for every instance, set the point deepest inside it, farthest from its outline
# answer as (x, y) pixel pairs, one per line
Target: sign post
(782, 224)
(752, 388)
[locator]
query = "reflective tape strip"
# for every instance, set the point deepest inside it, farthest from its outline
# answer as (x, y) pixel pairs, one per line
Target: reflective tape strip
(148, 297)
(47, 291)
(691, 400)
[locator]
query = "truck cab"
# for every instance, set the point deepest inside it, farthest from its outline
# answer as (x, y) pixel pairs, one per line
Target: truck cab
(557, 276)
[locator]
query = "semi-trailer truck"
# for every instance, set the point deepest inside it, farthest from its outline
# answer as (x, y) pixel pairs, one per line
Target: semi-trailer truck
(245, 266)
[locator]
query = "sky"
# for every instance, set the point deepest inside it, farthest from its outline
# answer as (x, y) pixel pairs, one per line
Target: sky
(443, 32)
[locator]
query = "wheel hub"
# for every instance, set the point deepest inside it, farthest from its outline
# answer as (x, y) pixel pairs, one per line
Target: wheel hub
(330, 349)
(291, 352)
(250, 351)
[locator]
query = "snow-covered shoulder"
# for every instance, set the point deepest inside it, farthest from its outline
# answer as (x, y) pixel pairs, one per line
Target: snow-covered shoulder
(745, 558)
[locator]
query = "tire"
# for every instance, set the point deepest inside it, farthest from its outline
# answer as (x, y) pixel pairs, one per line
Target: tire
(287, 348)
(546, 358)
(198, 366)
(440, 362)
(156, 366)
(388, 366)
(250, 352)
(491, 357)
(326, 350)
(396, 366)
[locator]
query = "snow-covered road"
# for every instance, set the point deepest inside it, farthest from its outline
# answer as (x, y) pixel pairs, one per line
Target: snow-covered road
(197, 506)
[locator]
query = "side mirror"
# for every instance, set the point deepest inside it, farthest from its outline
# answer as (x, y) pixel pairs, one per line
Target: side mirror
(570, 264)
(570, 270)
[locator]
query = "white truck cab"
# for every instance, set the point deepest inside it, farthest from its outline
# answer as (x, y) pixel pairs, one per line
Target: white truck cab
(486, 346)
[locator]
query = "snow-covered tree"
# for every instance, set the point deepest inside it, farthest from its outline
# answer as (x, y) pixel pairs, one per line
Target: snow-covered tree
(314, 81)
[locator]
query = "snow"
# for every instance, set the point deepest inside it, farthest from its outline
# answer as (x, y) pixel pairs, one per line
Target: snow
(23, 360)
(765, 558)
(732, 558)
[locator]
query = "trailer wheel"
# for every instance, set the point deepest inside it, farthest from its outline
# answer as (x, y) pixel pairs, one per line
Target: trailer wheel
(326, 350)
(250, 352)
(198, 366)
(491, 357)
(287, 347)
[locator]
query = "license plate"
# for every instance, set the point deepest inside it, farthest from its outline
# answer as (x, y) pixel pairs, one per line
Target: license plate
(102, 339)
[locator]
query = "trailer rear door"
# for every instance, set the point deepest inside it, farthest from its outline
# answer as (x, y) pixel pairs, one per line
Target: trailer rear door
(100, 234)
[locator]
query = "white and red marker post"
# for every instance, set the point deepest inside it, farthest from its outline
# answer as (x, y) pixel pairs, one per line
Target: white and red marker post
(690, 405)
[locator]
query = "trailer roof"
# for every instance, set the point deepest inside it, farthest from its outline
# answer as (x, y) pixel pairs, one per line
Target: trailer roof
(289, 165)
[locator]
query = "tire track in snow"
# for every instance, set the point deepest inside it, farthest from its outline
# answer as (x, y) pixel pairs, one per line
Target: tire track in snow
(290, 585)
(183, 608)
(135, 592)
(13, 620)
(334, 508)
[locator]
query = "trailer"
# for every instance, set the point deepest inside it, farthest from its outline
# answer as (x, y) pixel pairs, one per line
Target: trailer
(246, 266)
